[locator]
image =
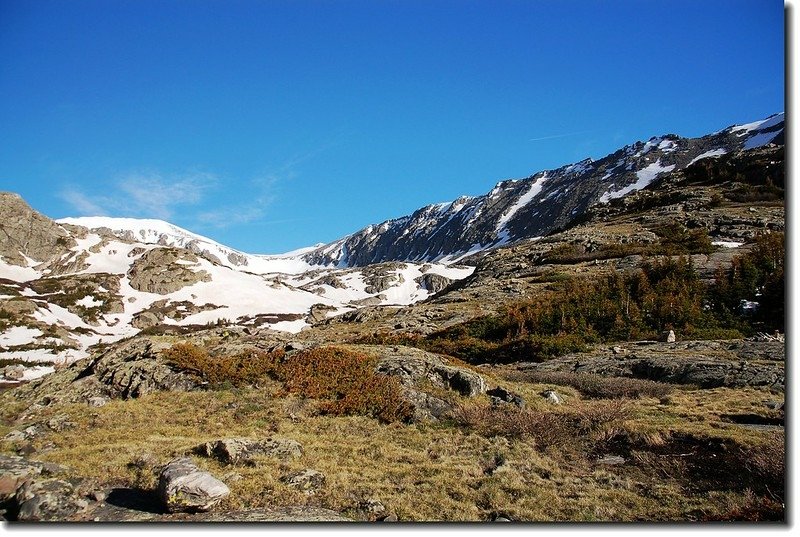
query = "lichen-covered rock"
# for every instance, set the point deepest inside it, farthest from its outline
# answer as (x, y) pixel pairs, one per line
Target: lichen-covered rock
(48, 500)
(15, 469)
(411, 367)
(183, 487)
(244, 450)
(164, 271)
(307, 480)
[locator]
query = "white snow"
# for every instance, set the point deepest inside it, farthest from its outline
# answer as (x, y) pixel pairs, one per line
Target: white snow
(19, 335)
(727, 244)
(645, 177)
(89, 302)
(17, 273)
(757, 140)
(758, 125)
(709, 154)
(522, 201)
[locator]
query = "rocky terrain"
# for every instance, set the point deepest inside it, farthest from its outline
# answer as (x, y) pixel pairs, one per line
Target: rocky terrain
(150, 374)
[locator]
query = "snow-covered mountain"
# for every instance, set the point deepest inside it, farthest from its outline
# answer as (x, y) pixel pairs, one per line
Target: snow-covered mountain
(70, 284)
(67, 285)
(520, 209)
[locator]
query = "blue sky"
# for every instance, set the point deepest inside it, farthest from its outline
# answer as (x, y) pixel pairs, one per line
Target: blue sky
(272, 125)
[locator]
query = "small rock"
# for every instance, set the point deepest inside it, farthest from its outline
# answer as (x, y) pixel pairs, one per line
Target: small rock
(774, 405)
(373, 509)
(308, 480)
(617, 350)
(15, 436)
(552, 397)
(611, 460)
(98, 495)
(47, 500)
(96, 401)
(390, 518)
(31, 431)
(183, 487)
(500, 396)
(14, 372)
(60, 423)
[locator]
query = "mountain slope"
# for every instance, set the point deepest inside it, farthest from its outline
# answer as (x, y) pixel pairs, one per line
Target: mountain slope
(532, 207)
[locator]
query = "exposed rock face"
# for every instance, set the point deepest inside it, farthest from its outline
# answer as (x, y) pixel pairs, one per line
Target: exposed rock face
(414, 368)
(433, 282)
(244, 450)
(125, 371)
(318, 313)
(183, 487)
(707, 364)
(411, 367)
(25, 232)
(159, 271)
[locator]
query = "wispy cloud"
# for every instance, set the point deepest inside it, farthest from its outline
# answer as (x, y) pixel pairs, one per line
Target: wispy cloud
(554, 136)
(143, 195)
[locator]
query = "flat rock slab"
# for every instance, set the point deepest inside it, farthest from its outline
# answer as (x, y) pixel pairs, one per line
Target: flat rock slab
(244, 450)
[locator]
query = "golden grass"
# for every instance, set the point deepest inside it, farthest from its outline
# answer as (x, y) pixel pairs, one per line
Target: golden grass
(421, 472)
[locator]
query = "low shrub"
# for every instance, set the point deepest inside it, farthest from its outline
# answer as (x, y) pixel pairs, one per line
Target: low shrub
(345, 383)
(564, 428)
(592, 385)
(241, 369)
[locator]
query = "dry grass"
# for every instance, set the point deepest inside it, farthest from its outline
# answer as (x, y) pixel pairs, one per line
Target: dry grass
(596, 385)
(433, 471)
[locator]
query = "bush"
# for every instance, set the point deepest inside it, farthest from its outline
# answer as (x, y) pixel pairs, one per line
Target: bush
(597, 385)
(345, 382)
(241, 369)
(547, 429)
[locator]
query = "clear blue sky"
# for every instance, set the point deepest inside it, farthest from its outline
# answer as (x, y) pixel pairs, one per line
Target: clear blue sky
(271, 125)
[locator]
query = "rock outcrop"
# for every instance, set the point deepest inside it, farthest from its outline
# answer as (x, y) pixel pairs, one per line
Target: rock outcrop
(246, 450)
(27, 233)
(165, 270)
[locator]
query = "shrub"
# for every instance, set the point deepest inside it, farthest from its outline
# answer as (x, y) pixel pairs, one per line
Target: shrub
(547, 429)
(241, 369)
(345, 382)
(597, 385)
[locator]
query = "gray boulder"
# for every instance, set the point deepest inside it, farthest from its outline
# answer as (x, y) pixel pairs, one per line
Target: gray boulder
(48, 500)
(14, 372)
(183, 487)
(244, 450)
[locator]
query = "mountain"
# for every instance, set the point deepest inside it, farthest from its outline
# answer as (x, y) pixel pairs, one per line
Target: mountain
(70, 284)
(520, 209)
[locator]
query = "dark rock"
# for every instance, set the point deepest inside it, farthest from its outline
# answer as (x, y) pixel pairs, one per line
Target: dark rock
(500, 396)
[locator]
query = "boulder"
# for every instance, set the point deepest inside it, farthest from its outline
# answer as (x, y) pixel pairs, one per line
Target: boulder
(411, 367)
(14, 372)
(500, 396)
(433, 282)
(183, 487)
(244, 450)
(552, 397)
(48, 500)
